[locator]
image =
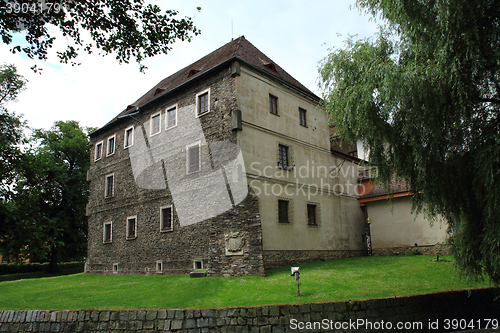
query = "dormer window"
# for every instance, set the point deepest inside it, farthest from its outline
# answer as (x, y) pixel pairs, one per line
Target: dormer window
(270, 66)
(193, 72)
(159, 91)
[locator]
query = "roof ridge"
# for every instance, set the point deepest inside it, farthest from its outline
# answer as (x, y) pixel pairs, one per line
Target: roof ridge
(239, 48)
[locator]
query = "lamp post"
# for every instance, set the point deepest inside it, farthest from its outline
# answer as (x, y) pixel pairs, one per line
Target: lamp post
(296, 272)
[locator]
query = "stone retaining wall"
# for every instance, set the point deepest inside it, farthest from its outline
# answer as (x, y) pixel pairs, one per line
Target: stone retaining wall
(283, 258)
(440, 249)
(422, 313)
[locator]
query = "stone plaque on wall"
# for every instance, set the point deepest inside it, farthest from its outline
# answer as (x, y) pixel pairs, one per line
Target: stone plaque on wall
(235, 241)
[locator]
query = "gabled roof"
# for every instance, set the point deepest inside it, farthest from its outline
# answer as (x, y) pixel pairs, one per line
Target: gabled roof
(240, 49)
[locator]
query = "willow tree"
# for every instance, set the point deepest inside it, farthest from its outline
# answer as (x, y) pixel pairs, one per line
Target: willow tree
(424, 96)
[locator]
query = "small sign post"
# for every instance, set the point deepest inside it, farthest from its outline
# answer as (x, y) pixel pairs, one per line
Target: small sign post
(296, 272)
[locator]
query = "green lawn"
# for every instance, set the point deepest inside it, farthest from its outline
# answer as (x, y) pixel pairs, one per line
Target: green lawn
(353, 278)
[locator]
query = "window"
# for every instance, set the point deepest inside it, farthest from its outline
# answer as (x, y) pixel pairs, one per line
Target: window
(107, 232)
(203, 103)
(98, 151)
(166, 219)
(273, 104)
(311, 215)
(155, 124)
(171, 115)
(193, 158)
(129, 137)
(283, 211)
(283, 157)
(111, 145)
(109, 190)
(302, 117)
(115, 268)
(198, 264)
(131, 227)
(159, 266)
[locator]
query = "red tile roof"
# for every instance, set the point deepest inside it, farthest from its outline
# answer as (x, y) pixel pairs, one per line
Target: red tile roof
(396, 186)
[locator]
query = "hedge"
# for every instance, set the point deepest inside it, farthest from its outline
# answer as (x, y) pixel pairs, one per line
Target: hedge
(35, 267)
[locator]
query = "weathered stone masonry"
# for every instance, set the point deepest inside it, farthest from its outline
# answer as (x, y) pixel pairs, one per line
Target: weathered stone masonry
(477, 305)
(177, 249)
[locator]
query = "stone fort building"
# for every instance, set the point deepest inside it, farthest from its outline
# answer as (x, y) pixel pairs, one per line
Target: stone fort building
(225, 166)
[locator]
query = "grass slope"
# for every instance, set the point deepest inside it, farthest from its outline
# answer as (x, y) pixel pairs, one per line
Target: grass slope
(353, 278)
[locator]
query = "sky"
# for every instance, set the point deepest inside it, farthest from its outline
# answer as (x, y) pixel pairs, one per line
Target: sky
(294, 34)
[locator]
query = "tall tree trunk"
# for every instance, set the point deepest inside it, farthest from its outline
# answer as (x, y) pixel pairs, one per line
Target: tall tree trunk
(53, 268)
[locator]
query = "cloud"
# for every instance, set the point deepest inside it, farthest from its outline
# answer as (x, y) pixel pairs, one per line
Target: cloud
(289, 32)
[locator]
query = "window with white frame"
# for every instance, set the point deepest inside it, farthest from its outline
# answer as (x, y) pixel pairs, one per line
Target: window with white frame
(129, 137)
(107, 232)
(98, 151)
(203, 102)
(193, 158)
(159, 266)
(166, 218)
(198, 264)
(109, 190)
(115, 268)
(131, 227)
(155, 124)
(171, 117)
(111, 145)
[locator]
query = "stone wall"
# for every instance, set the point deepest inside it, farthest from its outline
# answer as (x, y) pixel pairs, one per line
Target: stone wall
(178, 249)
(277, 258)
(440, 249)
(421, 313)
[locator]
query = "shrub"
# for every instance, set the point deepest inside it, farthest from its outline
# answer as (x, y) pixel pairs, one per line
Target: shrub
(35, 267)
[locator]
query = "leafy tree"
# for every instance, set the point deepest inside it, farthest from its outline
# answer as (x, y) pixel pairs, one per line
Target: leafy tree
(11, 137)
(61, 188)
(126, 28)
(11, 125)
(424, 95)
(47, 217)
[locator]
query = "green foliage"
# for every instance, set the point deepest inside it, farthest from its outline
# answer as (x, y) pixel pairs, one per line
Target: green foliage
(43, 189)
(344, 279)
(11, 126)
(424, 96)
(11, 137)
(45, 215)
(35, 267)
(65, 269)
(127, 29)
